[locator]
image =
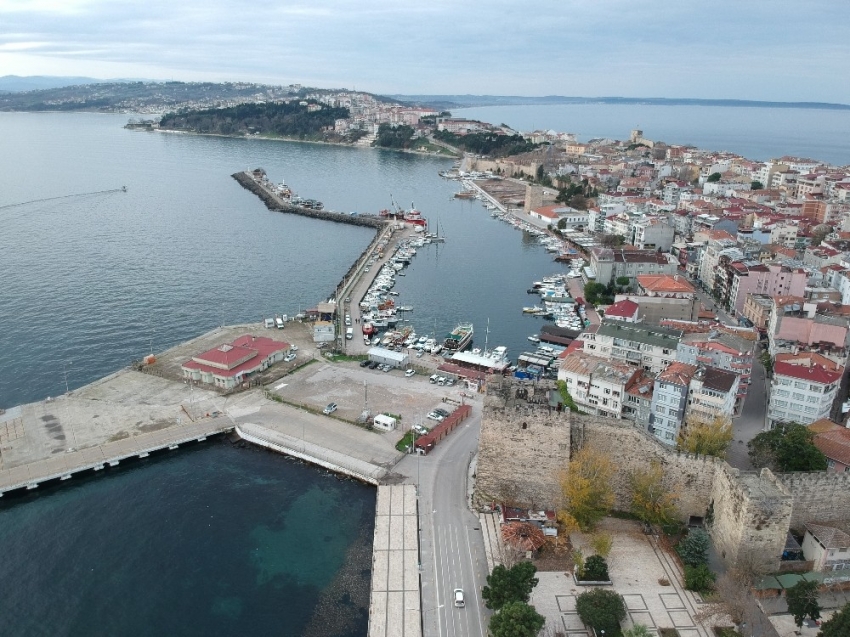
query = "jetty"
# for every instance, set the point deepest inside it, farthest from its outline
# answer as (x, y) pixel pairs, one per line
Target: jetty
(280, 204)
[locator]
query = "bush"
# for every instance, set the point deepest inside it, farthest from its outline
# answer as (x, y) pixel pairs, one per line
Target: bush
(699, 579)
(693, 549)
(601, 609)
(595, 569)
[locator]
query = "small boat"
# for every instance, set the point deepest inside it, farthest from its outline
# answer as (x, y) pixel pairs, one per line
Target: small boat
(534, 339)
(534, 309)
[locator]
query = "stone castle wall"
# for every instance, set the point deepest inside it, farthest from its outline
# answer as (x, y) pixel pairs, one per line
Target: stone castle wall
(818, 497)
(751, 516)
(526, 444)
(630, 449)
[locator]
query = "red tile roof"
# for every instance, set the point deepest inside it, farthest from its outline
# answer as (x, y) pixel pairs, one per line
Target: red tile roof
(813, 374)
(835, 445)
(624, 309)
(664, 283)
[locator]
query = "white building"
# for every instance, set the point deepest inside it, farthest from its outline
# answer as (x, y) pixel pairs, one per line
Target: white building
(803, 388)
(596, 385)
(643, 347)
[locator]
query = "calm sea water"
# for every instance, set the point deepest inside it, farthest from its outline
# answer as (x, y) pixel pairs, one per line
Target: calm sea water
(203, 541)
(755, 133)
(208, 540)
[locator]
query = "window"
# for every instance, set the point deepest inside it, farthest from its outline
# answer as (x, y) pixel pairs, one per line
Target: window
(780, 403)
(812, 399)
(607, 391)
(797, 396)
(784, 381)
(810, 410)
(659, 409)
(815, 388)
(799, 385)
(782, 392)
(673, 412)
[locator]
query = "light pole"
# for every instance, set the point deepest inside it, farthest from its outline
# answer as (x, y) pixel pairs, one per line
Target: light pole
(65, 373)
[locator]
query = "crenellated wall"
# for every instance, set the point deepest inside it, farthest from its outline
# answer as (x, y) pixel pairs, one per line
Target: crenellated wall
(526, 443)
(822, 497)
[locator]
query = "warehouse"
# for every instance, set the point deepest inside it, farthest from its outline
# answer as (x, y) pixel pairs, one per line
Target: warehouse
(388, 357)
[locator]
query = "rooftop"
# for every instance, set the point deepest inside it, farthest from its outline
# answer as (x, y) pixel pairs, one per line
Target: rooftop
(678, 373)
(813, 373)
(665, 284)
(657, 336)
(624, 309)
(718, 379)
(829, 536)
(835, 444)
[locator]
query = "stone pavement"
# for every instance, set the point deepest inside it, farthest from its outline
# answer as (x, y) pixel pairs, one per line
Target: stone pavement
(637, 566)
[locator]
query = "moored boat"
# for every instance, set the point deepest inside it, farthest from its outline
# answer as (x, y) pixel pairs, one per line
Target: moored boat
(459, 338)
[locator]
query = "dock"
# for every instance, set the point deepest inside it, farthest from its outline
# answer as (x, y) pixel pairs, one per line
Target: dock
(66, 465)
(394, 607)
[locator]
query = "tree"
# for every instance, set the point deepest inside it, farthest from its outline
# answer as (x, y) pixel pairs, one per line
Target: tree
(623, 281)
(706, 437)
(699, 578)
(506, 585)
(587, 489)
(516, 619)
(562, 223)
(638, 630)
(612, 240)
(693, 549)
(838, 626)
(651, 501)
(601, 543)
(787, 447)
(802, 600)
(756, 185)
(595, 569)
(714, 177)
(566, 398)
(601, 609)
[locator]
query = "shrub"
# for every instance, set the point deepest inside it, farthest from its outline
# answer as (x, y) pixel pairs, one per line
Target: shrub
(693, 549)
(601, 609)
(595, 569)
(699, 579)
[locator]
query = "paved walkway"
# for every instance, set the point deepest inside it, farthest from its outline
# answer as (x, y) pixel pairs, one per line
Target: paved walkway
(637, 566)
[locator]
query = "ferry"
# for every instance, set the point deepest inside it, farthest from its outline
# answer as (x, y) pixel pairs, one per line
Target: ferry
(459, 338)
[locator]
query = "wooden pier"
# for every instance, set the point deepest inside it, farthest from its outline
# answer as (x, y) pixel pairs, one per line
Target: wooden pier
(70, 463)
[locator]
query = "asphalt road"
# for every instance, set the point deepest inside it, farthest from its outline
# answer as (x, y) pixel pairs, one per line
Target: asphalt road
(751, 421)
(451, 543)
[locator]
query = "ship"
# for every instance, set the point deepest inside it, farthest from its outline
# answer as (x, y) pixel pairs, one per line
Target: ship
(411, 216)
(459, 338)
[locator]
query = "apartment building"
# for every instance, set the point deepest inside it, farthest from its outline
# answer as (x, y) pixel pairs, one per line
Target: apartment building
(803, 388)
(608, 264)
(596, 385)
(720, 350)
(670, 401)
(644, 347)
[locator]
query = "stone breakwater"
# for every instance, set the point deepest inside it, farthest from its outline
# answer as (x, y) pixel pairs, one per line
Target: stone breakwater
(275, 203)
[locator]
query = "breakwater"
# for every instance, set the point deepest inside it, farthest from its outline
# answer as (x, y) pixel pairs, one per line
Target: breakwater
(277, 204)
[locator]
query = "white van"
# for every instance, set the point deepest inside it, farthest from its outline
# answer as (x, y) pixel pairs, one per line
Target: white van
(349, 333)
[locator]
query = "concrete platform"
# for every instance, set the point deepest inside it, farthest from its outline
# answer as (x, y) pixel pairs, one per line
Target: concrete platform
(394, 609)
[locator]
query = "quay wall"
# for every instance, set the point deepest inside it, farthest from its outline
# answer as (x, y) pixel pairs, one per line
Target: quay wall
(274, 203)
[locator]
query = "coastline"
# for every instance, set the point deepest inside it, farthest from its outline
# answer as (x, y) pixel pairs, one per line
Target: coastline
(300, 141)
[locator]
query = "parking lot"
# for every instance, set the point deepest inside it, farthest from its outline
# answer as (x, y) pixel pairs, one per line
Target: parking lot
(355, 389)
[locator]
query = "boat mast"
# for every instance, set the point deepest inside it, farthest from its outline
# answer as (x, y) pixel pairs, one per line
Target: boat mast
(487, 335)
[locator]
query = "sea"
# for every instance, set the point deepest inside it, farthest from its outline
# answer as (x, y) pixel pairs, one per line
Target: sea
(757, 133)
(222, 539)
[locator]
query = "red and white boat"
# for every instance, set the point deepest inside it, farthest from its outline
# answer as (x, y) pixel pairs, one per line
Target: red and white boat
(412, 216)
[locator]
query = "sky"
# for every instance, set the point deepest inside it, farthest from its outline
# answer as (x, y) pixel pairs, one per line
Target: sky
(744, 49)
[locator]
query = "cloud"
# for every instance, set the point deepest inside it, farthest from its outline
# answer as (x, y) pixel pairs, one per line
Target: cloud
(780, 50)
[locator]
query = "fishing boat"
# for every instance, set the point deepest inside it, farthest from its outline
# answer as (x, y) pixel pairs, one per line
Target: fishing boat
(459, 338)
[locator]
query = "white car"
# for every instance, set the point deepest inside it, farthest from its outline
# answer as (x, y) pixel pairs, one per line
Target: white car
(331, 408)
(409, 373)
(289, 357)
(459, 602)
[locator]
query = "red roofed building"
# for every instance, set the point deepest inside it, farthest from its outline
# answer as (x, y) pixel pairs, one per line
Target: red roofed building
(227, 365)
(835, 445)
(625, 310)
(803, 388)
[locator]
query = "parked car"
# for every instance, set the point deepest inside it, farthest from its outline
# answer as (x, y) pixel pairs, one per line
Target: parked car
(331, 408)
(364, 363)
(289, 357)
(420, 430)
(410, 372)
(433, 378)
(374, 365)
(435, 416)
(442, 412)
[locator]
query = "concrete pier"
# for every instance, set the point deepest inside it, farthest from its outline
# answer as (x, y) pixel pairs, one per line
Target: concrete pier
(64, 466)
(394, 608)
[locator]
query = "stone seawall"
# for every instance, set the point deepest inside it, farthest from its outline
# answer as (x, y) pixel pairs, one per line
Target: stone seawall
(273, 203)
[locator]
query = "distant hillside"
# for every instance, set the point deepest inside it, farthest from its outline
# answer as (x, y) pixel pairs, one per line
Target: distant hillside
(467, 101)
(276, 119)
(17, 83)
